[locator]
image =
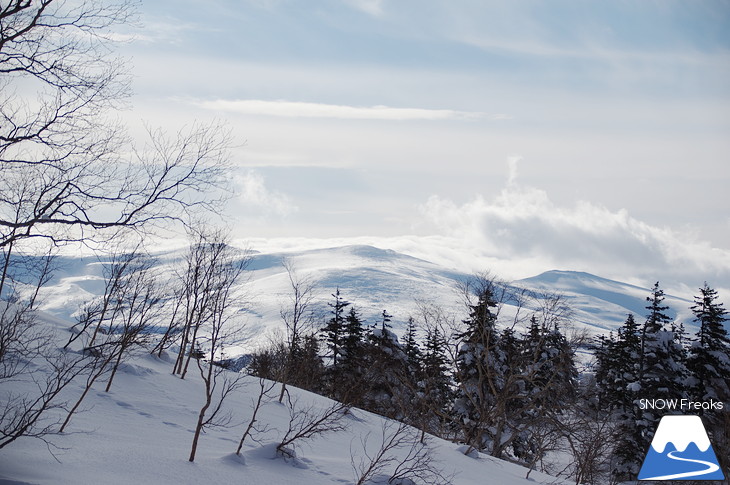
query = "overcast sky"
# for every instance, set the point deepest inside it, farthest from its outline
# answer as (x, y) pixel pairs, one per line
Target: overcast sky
(521, 135)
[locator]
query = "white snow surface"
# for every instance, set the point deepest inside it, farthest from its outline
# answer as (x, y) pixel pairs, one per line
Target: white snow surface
(141, 432)
(680, 430)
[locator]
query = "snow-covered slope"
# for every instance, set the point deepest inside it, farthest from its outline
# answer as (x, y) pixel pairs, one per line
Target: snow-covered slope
(141, 431)
(373, 280)
(602, 303)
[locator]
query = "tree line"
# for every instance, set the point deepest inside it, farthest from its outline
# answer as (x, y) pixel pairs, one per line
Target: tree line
(656, 359)
(508, 384)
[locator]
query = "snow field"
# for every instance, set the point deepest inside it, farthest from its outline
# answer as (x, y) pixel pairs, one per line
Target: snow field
(140, 432)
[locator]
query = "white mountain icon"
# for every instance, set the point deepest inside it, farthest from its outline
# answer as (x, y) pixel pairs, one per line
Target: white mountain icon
(680, 430)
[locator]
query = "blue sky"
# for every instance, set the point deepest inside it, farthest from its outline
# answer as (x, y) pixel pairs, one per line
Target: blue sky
(522, 135)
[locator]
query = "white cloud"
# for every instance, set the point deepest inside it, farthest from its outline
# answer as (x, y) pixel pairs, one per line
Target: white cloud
(372, 7)
(255, 195)
(523, 224)
(296, 109)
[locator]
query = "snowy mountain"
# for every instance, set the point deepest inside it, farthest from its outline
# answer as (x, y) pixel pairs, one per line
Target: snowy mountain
(373, 280)
(603, 304)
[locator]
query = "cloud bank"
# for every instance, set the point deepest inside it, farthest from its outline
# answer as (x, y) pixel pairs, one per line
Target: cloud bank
(523, 224)
(296, 109)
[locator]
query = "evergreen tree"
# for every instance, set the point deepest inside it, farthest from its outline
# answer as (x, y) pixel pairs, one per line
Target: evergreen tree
(548, 379)
(387, 376)
(617, 370)
(709, 355)
(662, 374)
(651, 356)
(410, 345)
(352, 360)
(436, 383)
(380, 334)
(353, 338)
(333, 331)
(433, 384)
(549, 367)
(481, 369)
(605, 370)
(385, 322)
(307, 364)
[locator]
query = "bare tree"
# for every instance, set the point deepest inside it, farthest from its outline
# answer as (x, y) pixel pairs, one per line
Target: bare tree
(222, 269)
(28, 355)
(65, 175)
(104, 309)
(586, 435)
(401, 456)
(173, 303)
(95, 367)
(297, 317)
(25, 413)
(306, 423)
(253, 427)
(61, 168)
(140, 310)
(21, 335)
(120, 319)
(202, 280)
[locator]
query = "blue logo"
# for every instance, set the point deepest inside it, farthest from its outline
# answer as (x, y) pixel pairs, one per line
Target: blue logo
(681, 450)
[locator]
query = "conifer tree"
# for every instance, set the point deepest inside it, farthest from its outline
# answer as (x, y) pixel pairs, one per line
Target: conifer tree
(381, 335)
(387, 371)
(617, 370)
(436, 384)
(662, 374)
(709, 355)
(548, 382)
(410, 345)
(352, 361)
(307, 364)
(333, 331)
(549, 370)
(605, 370)
(480, 373)
(652, 355)
(434, 393)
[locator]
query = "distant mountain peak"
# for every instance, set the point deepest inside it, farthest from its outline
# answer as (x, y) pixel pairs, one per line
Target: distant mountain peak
(556, 275)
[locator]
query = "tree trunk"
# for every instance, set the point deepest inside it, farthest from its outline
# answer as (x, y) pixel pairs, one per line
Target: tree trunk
(114, 369)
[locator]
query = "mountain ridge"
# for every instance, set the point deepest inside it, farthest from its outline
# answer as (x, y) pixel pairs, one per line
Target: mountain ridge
(373, 279)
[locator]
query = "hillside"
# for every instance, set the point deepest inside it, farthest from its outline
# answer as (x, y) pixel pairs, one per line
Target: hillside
(373, 280)
(141, 431)
(600, 303)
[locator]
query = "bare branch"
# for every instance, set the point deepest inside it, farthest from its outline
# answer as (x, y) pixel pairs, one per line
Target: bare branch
(308, 423)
